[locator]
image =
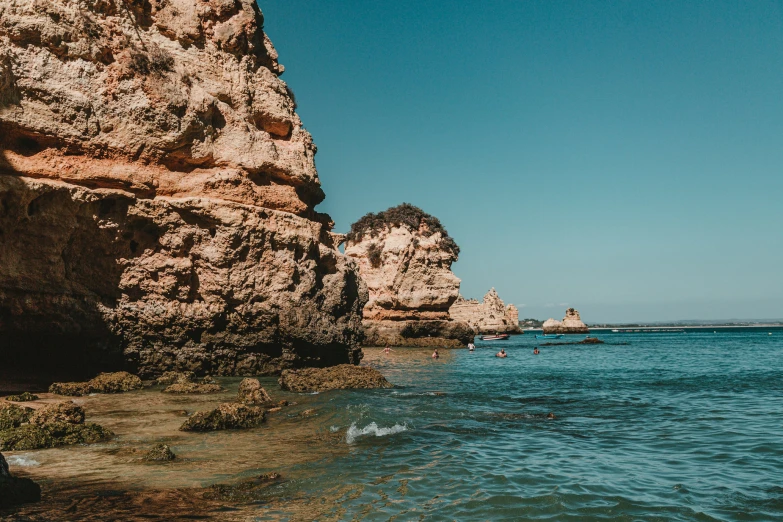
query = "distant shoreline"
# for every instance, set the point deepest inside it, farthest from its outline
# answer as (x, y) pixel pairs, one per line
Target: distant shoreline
(672, 327)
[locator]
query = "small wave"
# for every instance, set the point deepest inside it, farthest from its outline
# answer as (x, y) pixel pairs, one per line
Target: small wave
(334, 429)
(372, 429)
(22, 461)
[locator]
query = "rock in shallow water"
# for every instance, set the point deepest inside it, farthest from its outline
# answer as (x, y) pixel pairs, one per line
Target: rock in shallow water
(67, 412)
(15, 490)
(339, 377)
(116, 382)
(251, 392)
(53, 425)
(22, 397)
(160, 453)
(193, 387)
(246, 491)
(12, 416)
(227, 416)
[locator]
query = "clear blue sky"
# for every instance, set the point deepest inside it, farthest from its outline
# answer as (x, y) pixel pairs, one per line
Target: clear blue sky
(624, 158)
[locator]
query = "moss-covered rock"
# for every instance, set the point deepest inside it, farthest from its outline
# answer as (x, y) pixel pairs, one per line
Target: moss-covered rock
(338, 377)
(66, 412)
(176, 378)
(160, 453)
(247, 491)
(116, 382)
(12, 416)
(225, 417)
(15, 490)
(251, 392)
(22, 397)
(70, 389)
(26, 437)
(193, 387)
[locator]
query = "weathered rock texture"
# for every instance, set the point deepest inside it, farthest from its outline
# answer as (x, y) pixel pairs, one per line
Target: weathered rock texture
(488, 316)
(157, 195)
(571, 324)
(340, 377)
(405, 256)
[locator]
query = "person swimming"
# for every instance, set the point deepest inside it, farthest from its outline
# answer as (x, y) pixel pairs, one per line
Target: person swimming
(535, 351)
(435, 354)
(501, 353)
(387, 350)
(471, 346)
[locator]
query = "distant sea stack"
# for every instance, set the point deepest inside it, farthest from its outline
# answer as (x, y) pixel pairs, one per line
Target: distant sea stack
(405, 256)
(490, 315)
(157, 194)
(571, 324)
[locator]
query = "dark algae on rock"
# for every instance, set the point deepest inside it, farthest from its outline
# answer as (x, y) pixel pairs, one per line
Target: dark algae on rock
(339, 377)
(16, 490)
(160, 453)
(59, 424)
(116, 382)
(227, 416)
(22, 397)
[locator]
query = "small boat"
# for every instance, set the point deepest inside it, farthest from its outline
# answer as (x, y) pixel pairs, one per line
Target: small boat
(549, 336)
(496, 337)
(615, 331)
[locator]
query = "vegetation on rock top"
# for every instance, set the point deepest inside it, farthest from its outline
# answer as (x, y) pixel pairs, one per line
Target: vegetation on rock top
(402, 215)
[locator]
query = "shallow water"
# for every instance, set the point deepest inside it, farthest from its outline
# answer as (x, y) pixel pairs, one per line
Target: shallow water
(667, 427)
(650, 426)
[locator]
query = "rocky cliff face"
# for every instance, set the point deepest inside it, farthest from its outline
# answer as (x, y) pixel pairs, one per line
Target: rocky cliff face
(405, 255)
(157, 194)
(490, 315)
(571, 324)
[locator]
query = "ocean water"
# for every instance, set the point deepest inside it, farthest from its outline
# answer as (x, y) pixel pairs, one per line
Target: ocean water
(649, 426)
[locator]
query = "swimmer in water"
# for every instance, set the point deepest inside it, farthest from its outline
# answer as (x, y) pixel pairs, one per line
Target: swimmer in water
(387, 350)
(435, 354)
(501, 353)
(471, 346)
(535, 351)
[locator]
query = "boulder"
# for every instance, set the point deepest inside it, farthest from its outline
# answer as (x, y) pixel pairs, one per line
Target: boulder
(246, 491)
(70, 389)
(12, 416)
(224, 417)
(571, 324)
(67, 412)
(22, 397)
(16, 490)
(339, 377)
(116, 382)
(489, 316)
(160, 453)
(251, 392)
(176, 378)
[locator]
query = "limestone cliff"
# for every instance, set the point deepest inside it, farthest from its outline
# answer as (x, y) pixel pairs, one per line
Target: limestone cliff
(490, 315)
(571, 324)
(157, 194)
(405, 255)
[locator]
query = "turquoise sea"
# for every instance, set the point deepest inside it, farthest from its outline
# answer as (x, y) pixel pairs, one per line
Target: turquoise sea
(649, 426)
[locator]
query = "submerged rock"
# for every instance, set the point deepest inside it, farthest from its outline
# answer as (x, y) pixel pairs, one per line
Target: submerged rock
(16, 490)
(193, 387)
(22, 397)
(53, 425)
(247, 491)
(339, 377)
(225, 417)
(116, 382)
(160, 453)
(12, 416)
(251, 392)
(405, 257)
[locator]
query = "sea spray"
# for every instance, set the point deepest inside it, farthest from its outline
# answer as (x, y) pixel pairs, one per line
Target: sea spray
(372, 429)
(22, 461)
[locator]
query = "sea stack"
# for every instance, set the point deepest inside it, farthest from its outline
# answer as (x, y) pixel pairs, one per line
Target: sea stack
(571, 324)
(490, 315)
(405, 255)
(157, 196)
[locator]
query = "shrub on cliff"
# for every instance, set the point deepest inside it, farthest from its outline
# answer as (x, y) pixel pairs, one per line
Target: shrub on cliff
(374, 254)
(401, 215)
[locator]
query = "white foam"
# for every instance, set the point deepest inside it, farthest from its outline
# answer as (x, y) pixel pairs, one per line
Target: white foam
(372, 429)
(334, 429)
(23, 461)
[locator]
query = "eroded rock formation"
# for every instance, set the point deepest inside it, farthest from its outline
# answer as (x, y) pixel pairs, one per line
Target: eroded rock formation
(571, 324)
(490, 315)
(157, 195)
(405, 255)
